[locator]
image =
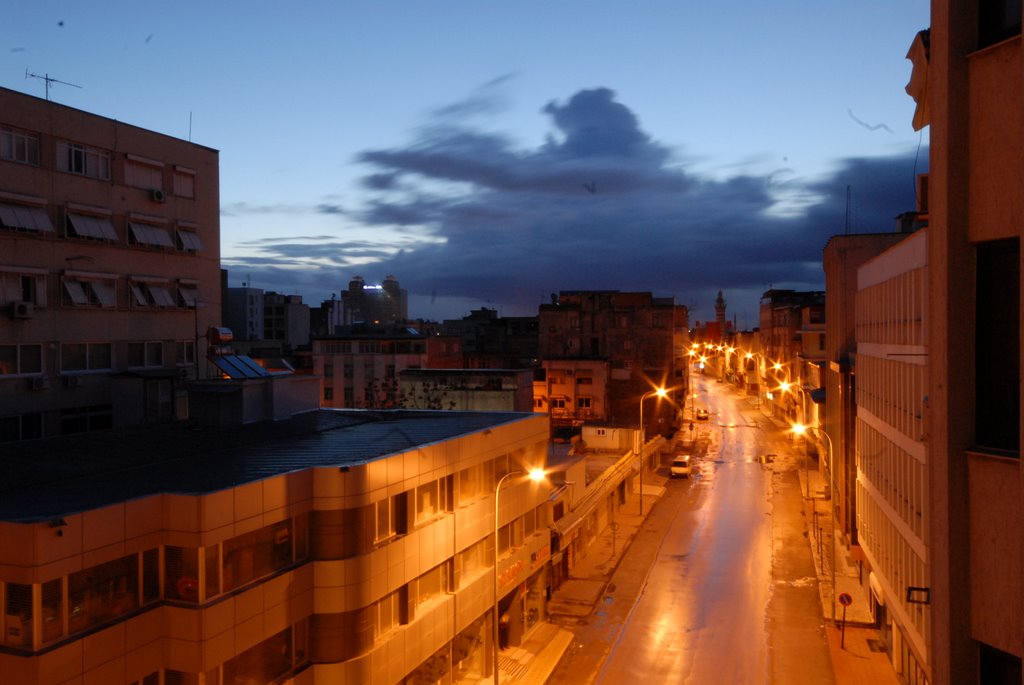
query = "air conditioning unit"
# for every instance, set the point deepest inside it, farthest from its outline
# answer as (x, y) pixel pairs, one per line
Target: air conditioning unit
(21, 310)
(39, 382)
(72, 381)
(157, 195)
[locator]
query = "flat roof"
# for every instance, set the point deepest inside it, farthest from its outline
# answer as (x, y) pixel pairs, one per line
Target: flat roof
(55, 477)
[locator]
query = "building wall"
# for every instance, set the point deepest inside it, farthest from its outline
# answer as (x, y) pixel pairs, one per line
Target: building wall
(126, 282)
(891, 457)
(975, 95)
(315, 574)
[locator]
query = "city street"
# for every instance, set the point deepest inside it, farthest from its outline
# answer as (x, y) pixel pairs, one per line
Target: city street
(719, 583)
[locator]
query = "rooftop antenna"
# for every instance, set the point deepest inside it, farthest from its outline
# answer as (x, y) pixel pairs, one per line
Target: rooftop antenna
(49, 79)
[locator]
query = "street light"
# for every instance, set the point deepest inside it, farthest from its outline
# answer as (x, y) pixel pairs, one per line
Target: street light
(536, 475)
(659, 392)
(800, 429)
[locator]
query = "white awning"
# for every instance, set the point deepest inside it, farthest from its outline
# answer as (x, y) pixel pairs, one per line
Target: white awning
(189, 241)
(28, 218)
(92, 227)
(150, 235)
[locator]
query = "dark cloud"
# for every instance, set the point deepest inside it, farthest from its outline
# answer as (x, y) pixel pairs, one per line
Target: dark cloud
(599, 205)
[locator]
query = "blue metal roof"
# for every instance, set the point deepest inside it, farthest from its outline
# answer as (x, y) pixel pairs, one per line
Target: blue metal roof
(47, 479)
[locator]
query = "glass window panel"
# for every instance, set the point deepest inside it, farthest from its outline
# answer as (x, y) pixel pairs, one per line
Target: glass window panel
(181, 573)
(8, 359)
(18, 615)
(103, 593)
(73, 357)
(100, 356)
(53, 610)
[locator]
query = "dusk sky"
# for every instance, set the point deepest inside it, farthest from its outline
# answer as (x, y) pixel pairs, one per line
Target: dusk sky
(490, 153)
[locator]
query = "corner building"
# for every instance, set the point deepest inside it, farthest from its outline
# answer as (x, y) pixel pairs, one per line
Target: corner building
(334, 547)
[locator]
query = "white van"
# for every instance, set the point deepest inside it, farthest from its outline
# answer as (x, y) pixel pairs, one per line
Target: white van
(680, 466)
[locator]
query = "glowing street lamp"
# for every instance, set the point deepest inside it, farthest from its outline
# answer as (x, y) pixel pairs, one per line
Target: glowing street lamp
(535, 475)
(800, 429)
(659, 392)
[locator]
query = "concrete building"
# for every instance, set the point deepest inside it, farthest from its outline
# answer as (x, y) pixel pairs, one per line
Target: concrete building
(243, 313)
(285, 318)
(967, 80)
(490, 341)
(792, 334)
(327, 547)
(109, 269)
(631, 340)
(842, 257)
(892, 491)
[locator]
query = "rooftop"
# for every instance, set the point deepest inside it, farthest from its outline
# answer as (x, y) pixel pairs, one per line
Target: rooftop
(47, 479)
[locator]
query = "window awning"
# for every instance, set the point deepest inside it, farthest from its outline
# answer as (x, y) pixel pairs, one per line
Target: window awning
(150, 235)
(28, 218)
(190, 296)
(189, 241)
(92, 227)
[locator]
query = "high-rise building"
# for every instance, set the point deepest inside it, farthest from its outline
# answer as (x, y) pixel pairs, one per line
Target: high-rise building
(109, 269)
(374, 305)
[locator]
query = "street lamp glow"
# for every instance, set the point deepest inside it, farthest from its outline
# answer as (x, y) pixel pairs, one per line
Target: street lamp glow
(537, 475)
(657, 392)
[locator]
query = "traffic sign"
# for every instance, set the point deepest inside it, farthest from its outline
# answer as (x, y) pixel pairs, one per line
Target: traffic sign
(845, 599)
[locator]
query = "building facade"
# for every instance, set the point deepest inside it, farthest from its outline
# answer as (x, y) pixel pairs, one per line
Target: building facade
(967, 78)
(109, 269)
(374, 305)
(331, 547)
(892, 493)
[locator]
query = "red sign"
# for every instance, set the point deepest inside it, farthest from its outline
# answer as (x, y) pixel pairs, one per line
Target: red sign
(845, 599)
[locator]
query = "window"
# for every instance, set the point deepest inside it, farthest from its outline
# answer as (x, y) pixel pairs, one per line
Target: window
(85, 357)
(184, 182)
(81, 159)
(385, 519)
(188, 295)
(25, 218)
(143, 173)
(998, 20)
(83, 419)
(146, 234)
(102, 593)
(21, 427)
(584, 380)
(22, 285)
(185, 352)
(583, 402)
(433, 583)
(349, 371)
(558, 403)
(188, 241)
(153, 293)
(145, 354)
(19, 146)
(257, 554)
(328, 394)
(387, 615)
(18, 360)
(430, 499)
(997, 330)
(90, 227)
(84, 290)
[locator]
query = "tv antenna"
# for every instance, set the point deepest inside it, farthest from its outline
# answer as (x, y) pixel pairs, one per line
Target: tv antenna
(49, 79)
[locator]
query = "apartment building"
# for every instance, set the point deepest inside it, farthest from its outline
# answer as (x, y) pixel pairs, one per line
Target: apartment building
(490, 341)
(386, 304)
(792, 330)
(967, 80)
(892, 463)
(109, 269)
(467, 389)
(286, 319)
(627, 341)
(330, 547)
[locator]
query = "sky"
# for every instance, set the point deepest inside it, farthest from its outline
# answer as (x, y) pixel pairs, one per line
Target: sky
(489, 153)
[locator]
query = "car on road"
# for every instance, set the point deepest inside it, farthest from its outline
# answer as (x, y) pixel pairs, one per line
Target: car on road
(702, 414)
(680, 466)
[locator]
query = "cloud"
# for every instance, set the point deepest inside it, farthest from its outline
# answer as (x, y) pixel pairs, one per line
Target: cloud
(601, 204)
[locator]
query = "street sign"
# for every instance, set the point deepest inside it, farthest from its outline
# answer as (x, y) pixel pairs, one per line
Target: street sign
(845, 599)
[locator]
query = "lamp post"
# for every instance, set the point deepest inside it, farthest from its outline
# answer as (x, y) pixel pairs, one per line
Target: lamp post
(659, 392)
(800, 429)
(535, 475)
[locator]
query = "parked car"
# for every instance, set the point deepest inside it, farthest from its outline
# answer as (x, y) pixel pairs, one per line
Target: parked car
(702, 414)
(680, 466)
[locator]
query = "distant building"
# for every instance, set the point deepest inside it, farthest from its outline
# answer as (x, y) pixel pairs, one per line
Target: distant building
(792, 331)
(374, 305)
(490, 341)
(243, 313)
(285, 318)
(627, 342)
(109, 269)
